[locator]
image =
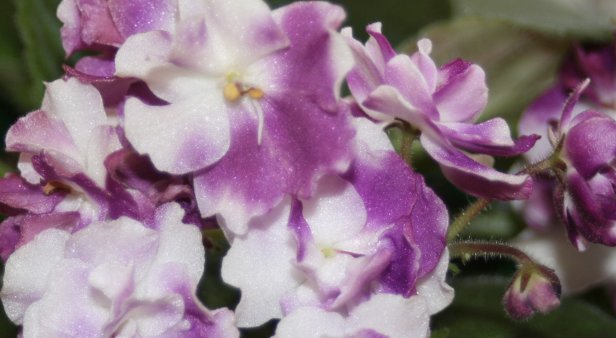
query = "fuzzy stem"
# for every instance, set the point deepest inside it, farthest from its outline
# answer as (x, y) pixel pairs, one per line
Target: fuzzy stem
(467, 250)
(465, 217)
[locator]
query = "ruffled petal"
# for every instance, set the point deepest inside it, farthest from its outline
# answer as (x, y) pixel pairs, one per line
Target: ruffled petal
(492, 137)
(475, 178)
(462, 91)
(266, 251)
(199, 129)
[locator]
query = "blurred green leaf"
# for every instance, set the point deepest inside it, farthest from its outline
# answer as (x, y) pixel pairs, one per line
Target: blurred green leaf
(519, 63)
(498, 222)
(591, 19)
(39, 30)
(400, 18)
(477, 312)
(12, 71)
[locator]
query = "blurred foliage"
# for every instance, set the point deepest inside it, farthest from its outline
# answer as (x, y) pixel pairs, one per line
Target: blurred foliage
(593, 19)
(477, 312)
(38, 29)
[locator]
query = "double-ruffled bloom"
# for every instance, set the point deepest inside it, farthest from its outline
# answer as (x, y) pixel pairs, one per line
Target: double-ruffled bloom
(372, 237)
(113, 279)
(442, 103)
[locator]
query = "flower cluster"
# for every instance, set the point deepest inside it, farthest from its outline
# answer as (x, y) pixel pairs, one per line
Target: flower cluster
(580, 137)
(191, 111)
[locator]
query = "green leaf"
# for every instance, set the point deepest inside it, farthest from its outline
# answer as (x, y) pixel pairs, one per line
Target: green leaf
(591, 19)
(477, 312)
(400, 18)
(498, 222)
(519, 63)
(39, 30)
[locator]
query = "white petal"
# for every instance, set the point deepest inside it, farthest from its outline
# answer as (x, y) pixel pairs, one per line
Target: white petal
(335, 213)
(260, 264)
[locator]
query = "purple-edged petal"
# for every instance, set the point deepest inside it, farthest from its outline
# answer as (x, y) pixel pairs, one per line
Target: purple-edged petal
(492, 137)
(302, 71)
(78, 106)
(462, 92)
(387, 100)
(402, 74)
(476, 178)
(366, 75)
(37, 131)
(199, 132)
(379, 46)
(228, 30)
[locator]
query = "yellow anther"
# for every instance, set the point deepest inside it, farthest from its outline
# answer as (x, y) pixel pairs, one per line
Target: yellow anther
(52, 186)
(255, 93)
(231, 92)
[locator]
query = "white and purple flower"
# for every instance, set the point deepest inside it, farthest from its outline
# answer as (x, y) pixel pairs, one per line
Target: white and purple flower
(253, 100)
(583, 181)
(377, 233)
(442, 103)
(113, 279)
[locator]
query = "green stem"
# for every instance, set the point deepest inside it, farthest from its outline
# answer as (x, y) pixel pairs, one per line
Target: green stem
(465, 217)
(467, 250)
(409, 135)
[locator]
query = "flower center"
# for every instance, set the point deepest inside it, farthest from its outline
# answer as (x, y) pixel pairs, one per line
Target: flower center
(234, 89)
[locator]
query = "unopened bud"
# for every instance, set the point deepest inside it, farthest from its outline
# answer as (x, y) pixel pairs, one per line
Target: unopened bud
(533, 289)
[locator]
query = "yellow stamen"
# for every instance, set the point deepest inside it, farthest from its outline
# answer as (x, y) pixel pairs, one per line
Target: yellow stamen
(52, 186)
(255, 93)
(231, 92)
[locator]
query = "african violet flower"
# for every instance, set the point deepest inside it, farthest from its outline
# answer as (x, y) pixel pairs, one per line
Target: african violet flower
(116, 278)
(253, 101)
(442, 104)
(586, 141)
(376, 232)
(62, 148)
(74, 170)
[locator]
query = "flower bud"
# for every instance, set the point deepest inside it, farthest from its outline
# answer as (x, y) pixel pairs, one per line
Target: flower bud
(532, 289)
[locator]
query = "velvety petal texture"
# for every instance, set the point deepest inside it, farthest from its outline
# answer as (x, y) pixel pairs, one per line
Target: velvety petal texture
(442, 103)
(248, 114)
(115, 278)
(584, 196)
(376, 231)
